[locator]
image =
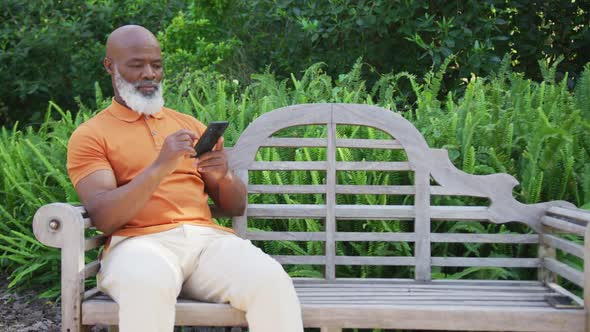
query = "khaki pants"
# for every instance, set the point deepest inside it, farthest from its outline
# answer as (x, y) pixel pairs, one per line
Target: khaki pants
(145, 275)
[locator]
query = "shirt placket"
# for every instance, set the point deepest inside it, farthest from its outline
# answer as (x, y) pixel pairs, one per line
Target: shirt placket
(154, 130)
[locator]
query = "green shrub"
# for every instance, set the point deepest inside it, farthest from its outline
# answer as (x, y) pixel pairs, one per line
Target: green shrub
(53, 50)
(504, 123)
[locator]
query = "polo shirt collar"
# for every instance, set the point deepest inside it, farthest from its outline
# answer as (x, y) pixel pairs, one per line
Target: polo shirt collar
(123, 113)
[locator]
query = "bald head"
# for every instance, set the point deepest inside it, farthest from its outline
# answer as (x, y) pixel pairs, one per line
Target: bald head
(130, 37)
(134, 56)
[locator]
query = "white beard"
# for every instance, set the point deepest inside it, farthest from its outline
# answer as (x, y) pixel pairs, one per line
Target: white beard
(135, 99)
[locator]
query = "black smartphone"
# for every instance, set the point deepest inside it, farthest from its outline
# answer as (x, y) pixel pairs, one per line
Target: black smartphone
(561, 301)
(207, 141)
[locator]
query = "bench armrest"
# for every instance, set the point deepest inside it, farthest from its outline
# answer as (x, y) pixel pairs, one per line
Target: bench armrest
(62, 225)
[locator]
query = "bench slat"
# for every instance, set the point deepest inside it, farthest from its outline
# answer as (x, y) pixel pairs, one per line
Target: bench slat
(486, 261)
(364, 212)
(358, 260)
(349, 189)
(91, 269)
(94, 242)
(523, 285)
(565, 245)
(484, 238)
(374, 236)
(286, 189)
(375, 190)
(373, 166)
(566, 271)
(300, 260)
(579, 215)
(330, 223)
(293, 236)
(563, 225)
(434, 302)
(368, 143)
(448, 315)
(288, 166)
(294, 142)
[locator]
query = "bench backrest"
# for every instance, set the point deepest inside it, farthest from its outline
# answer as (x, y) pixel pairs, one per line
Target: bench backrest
(432, 173)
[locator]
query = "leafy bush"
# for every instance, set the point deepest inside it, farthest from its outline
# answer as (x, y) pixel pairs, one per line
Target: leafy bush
(413, 36)
(53, 50)
(538, 132)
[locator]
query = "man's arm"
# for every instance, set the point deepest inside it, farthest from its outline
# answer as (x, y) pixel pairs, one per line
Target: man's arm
(226, 190)
(110, 207)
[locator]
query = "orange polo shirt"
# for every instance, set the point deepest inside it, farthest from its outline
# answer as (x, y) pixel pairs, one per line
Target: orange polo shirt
(126, 143)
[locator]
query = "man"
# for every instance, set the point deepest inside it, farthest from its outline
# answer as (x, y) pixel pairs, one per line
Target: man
(131, 167)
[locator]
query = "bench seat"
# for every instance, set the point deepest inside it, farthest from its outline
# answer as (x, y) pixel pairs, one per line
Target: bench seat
(438, 305)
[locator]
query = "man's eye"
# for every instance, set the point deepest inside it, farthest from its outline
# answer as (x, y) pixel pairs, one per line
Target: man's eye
(157, 66)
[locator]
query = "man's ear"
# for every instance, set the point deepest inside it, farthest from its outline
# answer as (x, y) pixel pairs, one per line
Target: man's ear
(108, 65)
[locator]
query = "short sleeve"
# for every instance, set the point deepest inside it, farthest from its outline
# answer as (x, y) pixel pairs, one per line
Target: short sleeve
(86, 154)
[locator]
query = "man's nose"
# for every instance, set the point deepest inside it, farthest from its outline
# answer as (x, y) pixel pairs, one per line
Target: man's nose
(148, 73)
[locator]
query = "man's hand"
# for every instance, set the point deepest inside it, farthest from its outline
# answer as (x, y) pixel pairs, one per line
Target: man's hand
(228, 192)
(213, 165)
(179, 144)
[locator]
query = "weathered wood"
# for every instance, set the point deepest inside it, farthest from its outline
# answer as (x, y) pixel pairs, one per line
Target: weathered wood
(576, 214)
(373, 166)
(358, 260)
(366, 212)
(90, 293)
(91, 269)
(368, 143)
(481, 261)
(294, 142)
(563, 225)
(330, 329)
(565, 245)
(434, 317)
(375, 190)
(546, 251)
(484, 238)
(330, 224)
(372, 236)
(288, 166)
(422, 224)
(566, 271)
(94, 242)
(298, 260)
(567, 293)
(292, 236)
(71, 227)
(286, 189)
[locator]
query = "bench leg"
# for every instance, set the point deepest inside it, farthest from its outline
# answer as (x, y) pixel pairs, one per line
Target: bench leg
(113, 328)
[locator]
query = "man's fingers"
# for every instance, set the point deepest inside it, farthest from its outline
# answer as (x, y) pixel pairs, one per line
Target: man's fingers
(187, 132)
(219, 144)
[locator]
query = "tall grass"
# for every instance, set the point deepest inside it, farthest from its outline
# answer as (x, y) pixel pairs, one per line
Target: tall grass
(536, 131)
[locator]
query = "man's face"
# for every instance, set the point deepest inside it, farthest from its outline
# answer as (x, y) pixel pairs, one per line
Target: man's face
(141, 66)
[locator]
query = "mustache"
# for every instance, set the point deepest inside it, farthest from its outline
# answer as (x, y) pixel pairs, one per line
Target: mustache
(147, 83)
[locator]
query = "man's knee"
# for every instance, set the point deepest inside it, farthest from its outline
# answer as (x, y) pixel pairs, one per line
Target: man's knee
(272, 281)
(140, 273)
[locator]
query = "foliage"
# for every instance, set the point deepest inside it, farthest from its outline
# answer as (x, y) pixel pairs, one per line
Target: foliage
(505, 123)
(402, 35)
(53, 50)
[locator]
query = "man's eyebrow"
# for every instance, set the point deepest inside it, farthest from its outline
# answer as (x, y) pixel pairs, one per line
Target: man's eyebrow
(143, 59)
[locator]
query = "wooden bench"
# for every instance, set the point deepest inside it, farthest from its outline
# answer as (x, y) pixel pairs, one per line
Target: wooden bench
(333, 303)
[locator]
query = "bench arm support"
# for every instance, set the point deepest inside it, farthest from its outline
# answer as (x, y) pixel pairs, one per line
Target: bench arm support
(62, 225)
